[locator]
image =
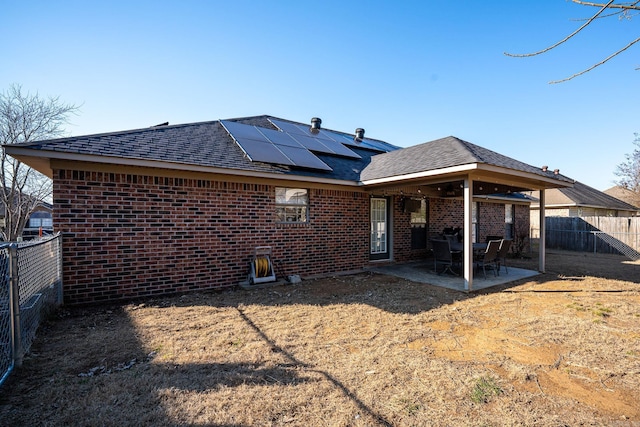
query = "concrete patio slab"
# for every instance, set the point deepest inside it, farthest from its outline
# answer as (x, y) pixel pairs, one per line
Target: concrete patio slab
(423, 272)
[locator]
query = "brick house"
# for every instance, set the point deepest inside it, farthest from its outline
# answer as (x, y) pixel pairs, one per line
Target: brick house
(180, 208)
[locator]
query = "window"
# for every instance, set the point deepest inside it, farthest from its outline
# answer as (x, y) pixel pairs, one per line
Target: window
(292, 205)
(508, 221)
(419, 226)
(379, 228)
(474, 222)
(40, 222)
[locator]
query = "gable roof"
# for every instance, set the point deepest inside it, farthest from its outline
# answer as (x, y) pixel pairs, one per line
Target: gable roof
(581, 195)
(210, 147)
(444, 153)
(625, 195)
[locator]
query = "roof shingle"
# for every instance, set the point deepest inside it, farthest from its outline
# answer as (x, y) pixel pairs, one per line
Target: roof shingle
(208, 145)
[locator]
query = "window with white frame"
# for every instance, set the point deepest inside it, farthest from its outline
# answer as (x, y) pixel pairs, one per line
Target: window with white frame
(474, 222)
(292, 205)
(508, 221)
(40, 222)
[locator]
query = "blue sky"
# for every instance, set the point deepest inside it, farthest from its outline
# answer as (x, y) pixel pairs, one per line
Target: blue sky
(407, 72)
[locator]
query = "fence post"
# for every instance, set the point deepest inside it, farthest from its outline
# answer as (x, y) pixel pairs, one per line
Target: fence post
(16, 332)
(59, 266)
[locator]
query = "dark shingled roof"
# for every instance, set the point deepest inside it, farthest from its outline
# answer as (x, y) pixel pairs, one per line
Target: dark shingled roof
(440, 154)
(208, 145)
(205, 144)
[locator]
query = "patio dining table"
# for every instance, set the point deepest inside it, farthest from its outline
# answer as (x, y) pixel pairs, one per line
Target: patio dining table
(458, 247)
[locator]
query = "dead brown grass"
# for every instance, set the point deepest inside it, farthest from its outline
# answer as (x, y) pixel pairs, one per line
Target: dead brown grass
(361, 350)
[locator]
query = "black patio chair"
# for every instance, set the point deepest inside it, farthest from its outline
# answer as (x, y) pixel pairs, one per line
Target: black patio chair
(442, 255)
(489, 258)
(501, 258)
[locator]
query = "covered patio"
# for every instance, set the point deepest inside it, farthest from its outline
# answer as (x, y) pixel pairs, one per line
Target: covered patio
(422, 272)
(450, 168)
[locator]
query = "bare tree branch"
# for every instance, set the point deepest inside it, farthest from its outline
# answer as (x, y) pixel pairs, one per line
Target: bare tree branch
(25, 118)
(598, 64)
(626, 6)
(589, 21)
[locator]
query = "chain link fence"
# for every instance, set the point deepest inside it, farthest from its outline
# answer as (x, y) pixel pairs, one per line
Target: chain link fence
(30, 287)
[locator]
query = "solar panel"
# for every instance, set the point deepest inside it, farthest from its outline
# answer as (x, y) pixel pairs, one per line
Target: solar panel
(259, 151)
(280, 138)
(379, 145)
(320, 142)
(291, 128)
(240, 130)
(365, 143)
(294, 144)
(323, 135)
(340, 149)
(312, 144)
(304, 158)
(272, 146)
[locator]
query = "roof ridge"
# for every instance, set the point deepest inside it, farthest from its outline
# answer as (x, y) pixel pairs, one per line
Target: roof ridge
(113, 133)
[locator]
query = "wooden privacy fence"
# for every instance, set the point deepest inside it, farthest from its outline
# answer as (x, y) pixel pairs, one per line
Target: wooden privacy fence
(599, 234)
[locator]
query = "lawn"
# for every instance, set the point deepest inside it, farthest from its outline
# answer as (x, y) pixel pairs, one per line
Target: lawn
(562, 348)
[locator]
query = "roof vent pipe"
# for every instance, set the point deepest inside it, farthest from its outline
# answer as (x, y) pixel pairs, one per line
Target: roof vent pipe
(316, 123)
(359, 135)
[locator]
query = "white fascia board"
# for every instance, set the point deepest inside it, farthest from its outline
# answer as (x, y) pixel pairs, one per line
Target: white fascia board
(469, 168)
(423, 174)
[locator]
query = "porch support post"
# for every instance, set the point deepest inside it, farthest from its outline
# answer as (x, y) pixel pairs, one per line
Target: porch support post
(468, 235)
(543, 235)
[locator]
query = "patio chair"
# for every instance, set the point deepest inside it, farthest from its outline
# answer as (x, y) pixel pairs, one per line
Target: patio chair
(490, 238)
(501, 258)
(453, 241)
(442, 255)
(489, 258)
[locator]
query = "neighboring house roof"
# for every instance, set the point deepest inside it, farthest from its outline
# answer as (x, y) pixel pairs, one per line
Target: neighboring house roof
(581, 195)
(628, 196)
(211, 147)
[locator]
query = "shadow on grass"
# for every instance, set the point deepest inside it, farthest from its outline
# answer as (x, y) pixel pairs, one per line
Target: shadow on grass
(49, 386)
(345, 390)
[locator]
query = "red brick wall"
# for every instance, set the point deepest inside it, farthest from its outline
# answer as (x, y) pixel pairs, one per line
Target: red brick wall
(444, 213)
(490, 220)
(449, 213)
(402, 234)
(492, 216)
(128, 236)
